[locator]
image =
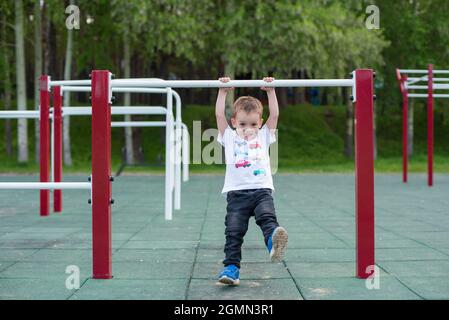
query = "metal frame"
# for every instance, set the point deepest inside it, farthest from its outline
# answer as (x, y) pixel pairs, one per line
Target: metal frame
(407, 83)
(101, 156)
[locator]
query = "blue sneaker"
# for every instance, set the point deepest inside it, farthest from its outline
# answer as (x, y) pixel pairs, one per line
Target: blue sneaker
(230, 275)
(277, 244)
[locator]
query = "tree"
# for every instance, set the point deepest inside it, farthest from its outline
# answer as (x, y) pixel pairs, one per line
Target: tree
(37, 71)
(5, 66)
(21, 84)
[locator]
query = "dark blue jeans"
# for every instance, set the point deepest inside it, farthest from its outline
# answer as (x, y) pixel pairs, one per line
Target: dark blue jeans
(242, 204)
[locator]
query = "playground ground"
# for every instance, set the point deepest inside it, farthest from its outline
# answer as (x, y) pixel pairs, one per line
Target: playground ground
(179, 259)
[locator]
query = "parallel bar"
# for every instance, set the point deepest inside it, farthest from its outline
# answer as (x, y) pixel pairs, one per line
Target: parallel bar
(19, 114)
(85, 111)
(57, 147)
(185, 152)
(45, 186)
(425, 95)
(139, 90)
(425, 79)
(423, 71)
(169, 158)
(430, 128)
(101, 174)
(232, 83)
(76, 89)
(435, 87)
(364, 160)
(70, 83)
(124, 124)
(44, 143)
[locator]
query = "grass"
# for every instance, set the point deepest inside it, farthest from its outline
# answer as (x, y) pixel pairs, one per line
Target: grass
(311, 139)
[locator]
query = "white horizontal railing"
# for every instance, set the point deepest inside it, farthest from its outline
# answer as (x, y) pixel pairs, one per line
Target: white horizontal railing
(45, 185)
(119, 110)
(122, 124)
(425, 95)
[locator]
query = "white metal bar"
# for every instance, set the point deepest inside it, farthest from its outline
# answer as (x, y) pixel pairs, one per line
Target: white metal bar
(123, 124)
(425, 95)
(52, 149)
(185, 152)
(76, 89)
(139, 90)
(45, 185)
(69, 83)
(425, 79)
(86, 111)
(19, 114)
(423, 71)
(169, 158)
(435, 86)
(232, 83)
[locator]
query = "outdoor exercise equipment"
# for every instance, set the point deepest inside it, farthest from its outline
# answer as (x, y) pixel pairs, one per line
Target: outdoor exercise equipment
(102, 87)
(407, 83)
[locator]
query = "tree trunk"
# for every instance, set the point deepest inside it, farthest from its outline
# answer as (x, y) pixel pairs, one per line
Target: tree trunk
(349, 136)
(129, 151)
(37, 72)
(22, 131)
(8, 89)
(410, 127)
(67, 75)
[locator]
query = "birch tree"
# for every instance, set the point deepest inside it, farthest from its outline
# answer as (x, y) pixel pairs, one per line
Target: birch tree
(22, 132)
(37, 71)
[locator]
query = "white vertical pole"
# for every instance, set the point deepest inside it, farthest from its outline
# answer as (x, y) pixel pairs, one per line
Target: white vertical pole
(185, 152)
(178, 166)
(168, 158)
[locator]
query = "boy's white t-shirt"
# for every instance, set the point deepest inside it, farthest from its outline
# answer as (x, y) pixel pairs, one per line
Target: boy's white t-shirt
(247, 161)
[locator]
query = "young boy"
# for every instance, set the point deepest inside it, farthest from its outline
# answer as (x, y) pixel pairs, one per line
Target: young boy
(248, 181)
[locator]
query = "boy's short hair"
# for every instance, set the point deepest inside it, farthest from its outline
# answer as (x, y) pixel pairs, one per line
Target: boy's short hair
(247, 104)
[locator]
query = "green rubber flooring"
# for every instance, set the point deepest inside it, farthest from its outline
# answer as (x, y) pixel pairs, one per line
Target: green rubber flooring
(180, 259)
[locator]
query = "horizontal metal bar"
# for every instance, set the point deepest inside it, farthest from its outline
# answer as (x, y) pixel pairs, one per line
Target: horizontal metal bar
(425, 95)
(423, 71)
(435, 86)
(86, 111)
(123, 124)
(70, 83)
(45, 185)
(139, 90)
(19, 114)
(76, 89)
(232, 83)
(425, 79)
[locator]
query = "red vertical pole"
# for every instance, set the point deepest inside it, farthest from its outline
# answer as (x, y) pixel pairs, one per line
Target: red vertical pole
(101, 174)
(44, 140)
(430, 126)
(57, 147)
(364, 163)
(404, 130)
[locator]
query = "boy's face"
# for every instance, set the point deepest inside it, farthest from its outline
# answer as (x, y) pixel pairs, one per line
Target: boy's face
(247, 124)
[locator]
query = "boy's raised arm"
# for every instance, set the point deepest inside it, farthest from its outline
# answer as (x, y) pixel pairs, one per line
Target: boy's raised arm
(273, 106)
(222, 123)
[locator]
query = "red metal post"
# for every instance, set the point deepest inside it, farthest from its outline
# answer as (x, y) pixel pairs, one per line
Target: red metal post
(404, 131)
(101, 174)
(430, 127)
(44, 139)
(364, 165)
(57, 146)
